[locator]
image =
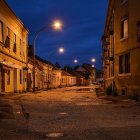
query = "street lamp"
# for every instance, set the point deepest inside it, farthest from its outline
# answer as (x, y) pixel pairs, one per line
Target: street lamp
(93, 66)
(75, 61)
(57, 25)
(60, 50)
(93, 60)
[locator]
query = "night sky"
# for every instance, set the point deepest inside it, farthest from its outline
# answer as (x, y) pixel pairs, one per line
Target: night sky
(83, 21)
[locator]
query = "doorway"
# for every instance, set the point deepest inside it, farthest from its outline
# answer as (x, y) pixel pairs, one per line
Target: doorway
(15, 80)
(2, 80)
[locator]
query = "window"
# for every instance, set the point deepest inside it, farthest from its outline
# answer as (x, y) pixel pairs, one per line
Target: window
(8, 32)
(121, 64)
(138, 31)
(127, 63)
(1, 31)
(15, 40)
(124, 63)
(20, 73)
(7, 41)
(8, 77)
(20, 46)
(124, 28)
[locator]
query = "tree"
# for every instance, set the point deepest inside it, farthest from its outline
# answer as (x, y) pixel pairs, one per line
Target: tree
(76, 67)
(67, 67)
(57, 65)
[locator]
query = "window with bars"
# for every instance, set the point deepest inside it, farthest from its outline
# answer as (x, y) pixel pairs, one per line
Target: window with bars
(124, 63)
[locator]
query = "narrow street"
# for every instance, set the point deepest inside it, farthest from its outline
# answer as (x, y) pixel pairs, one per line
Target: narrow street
(71, 113)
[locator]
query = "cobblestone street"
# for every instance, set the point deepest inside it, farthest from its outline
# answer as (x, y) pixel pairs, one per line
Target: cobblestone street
(70, 114)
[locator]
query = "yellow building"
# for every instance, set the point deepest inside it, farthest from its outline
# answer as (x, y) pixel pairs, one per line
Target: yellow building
(13, 51)
(72, 80)
(121, 47)
(56, 77)
(67, 79)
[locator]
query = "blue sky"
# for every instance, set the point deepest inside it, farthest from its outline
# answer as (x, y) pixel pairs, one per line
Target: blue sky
(83, 21)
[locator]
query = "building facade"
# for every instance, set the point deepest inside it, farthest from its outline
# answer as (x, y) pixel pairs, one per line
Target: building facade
(13, 51)
(56, 77)
(121, 47)
(88, 72)
(67, 79)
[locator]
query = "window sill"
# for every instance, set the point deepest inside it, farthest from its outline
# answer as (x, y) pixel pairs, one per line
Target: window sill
(110, 78)
(123, 39)
(1, 43)
(124, 75)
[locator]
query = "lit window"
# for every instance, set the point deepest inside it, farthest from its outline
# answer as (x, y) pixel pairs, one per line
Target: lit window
(1, 31)
(124, 28)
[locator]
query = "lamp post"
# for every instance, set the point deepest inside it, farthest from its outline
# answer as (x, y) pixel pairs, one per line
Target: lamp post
(60, 50)
(57, 25)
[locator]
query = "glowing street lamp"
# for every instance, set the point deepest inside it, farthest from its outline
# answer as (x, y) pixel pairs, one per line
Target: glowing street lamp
(75, 61)
(61, 50)
(93, 60)
(93, 66)
(57, 25)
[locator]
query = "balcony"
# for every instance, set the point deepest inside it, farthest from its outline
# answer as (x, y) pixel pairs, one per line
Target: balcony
(104, 67)
(107, 43)
(111, 31)
(110, 58)
(105, 50)
(107, 63)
